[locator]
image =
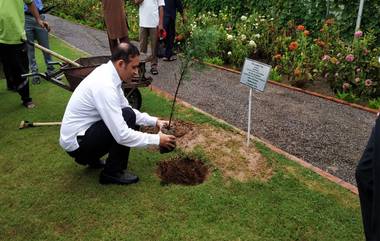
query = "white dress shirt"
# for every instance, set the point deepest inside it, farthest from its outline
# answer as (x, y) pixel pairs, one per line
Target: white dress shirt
(149, 13)
(100, 97)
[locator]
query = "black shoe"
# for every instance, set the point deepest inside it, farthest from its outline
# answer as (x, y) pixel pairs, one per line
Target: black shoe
(97, 165)
(122, 178)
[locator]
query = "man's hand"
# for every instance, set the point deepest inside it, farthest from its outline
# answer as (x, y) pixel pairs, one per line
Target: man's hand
(161, 123)
(44, 25)
(160, 28)
(167, 141)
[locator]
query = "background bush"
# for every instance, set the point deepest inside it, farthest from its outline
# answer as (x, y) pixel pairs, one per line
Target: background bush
(307, 12)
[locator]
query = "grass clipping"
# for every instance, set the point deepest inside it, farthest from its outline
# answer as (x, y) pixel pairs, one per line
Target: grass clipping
(228, 152)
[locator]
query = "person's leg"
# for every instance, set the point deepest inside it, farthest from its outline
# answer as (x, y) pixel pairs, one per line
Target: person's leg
(368, 182)
(18, 59)
(99, 141)
(143, 40)
(153, 46)
(30, 29)
(30, 24)
(112, 43)
(7, 66)
(124, 39)
(117, 160)
(42, 37)
(170, 35)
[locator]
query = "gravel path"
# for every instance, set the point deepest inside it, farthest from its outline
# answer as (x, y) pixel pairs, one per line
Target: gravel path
(329, 135)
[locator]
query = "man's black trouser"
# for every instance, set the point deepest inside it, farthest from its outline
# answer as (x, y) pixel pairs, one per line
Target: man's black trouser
(169, 26)
(368, 181)
(99, 141)
(15, 63)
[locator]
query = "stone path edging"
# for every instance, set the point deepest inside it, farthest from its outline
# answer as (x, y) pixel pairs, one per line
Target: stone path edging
(303, 91)
(303, 163)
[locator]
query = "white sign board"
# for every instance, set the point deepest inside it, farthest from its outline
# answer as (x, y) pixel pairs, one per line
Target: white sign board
(255, 74)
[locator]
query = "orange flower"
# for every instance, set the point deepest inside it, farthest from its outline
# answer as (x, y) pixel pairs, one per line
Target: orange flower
(329, 21)
(300, 28)
(297, 72)
(293, 46)
(277, 57)
(306, 33)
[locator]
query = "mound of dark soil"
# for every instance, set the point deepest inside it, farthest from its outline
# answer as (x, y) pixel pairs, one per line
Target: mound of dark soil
(178, 129)
(182, 170)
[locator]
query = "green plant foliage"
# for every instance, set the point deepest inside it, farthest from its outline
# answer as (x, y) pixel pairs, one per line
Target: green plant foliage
(374, 104)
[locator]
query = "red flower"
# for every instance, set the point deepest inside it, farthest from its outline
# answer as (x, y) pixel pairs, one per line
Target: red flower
(306, 33)
(293, 46)
(300, 28)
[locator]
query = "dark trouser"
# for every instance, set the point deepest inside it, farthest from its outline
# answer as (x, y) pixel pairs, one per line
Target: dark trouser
(15, 63)
(169, 25)
(368, 181)
(99, 141)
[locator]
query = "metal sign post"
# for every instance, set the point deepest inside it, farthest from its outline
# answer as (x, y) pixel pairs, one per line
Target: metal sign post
(255, 76)
(249, 115)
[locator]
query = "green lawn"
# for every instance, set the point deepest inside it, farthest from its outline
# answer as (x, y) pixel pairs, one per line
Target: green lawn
(46, 196)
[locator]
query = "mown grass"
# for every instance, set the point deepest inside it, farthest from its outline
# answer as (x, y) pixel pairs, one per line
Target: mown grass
(46, 196)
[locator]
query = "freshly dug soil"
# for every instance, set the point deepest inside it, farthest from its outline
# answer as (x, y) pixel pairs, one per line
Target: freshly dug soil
(182, 170)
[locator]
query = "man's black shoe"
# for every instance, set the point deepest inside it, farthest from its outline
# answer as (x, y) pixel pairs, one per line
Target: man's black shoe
(123, 178)
(97, 165)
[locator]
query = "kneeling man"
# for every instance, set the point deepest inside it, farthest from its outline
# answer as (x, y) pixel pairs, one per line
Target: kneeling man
(99, 120)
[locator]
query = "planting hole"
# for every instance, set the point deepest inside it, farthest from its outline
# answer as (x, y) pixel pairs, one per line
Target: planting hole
(182, 170)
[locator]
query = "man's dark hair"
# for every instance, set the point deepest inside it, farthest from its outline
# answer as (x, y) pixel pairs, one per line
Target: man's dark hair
(125, 51)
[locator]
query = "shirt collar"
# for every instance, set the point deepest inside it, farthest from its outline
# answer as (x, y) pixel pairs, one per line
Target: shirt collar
(115, 76)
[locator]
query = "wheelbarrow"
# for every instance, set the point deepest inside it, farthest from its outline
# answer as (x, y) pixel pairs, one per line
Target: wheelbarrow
(76, 71)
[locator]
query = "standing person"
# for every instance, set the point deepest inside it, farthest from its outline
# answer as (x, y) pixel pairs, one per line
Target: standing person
(99, 120)
(116, 22)
(170, 12)
(13, 52)
(368, 182)
(35, 32)
(151, 14)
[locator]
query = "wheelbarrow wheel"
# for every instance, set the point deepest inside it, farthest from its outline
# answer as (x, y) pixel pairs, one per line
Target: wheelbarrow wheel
(134, 97)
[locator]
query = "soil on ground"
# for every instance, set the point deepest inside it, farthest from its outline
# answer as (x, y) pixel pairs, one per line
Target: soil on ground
(226, 150)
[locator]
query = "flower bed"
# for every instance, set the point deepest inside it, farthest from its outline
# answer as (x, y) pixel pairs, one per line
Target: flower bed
(299, 56)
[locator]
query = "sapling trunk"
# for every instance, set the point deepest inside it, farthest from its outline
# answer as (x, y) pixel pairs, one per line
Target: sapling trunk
(184, 66)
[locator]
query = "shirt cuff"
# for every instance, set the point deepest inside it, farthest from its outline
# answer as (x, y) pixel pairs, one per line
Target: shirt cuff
(154, 139)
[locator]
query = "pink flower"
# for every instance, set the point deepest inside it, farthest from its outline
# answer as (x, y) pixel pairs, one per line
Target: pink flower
(350, 58)
(357, 80)
(365, 51)
(368, 82)
(337, 62)
(346, 86)
(358, 34)
(325, 57)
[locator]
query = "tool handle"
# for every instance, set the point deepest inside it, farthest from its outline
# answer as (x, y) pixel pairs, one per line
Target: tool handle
(46, 50)
(47, 123)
